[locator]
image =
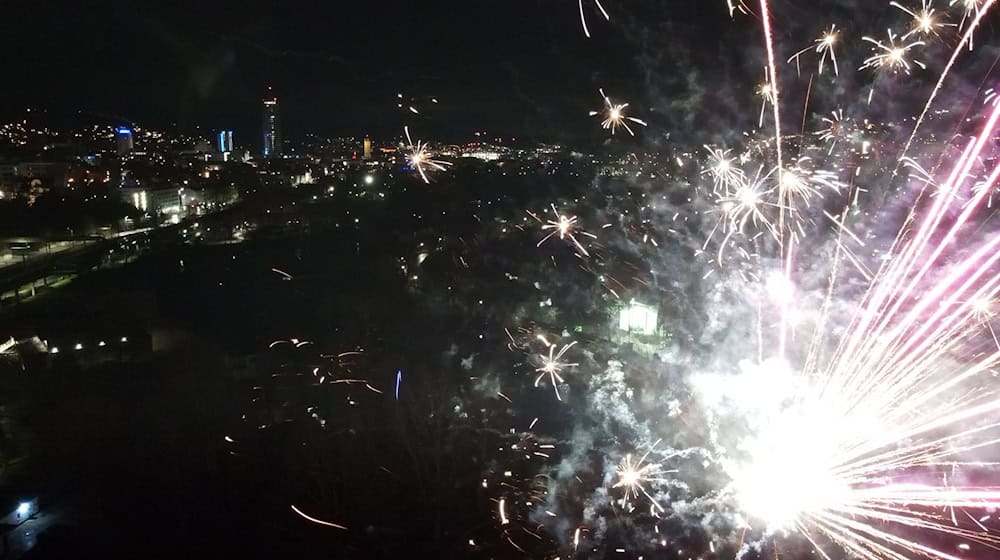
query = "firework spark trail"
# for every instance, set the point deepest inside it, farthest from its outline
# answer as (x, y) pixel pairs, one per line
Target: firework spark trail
(836, 124)
(815, 348)
(985, 188)
(845, 460)
(317, 521)
(966, 38)
(765, 16)
(823, 47)
(583, 17)
(913, 353)
(735, 6)
(893, 274)
(899, 267)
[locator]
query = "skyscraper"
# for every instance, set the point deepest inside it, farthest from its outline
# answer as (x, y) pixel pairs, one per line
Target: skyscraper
(225, 141)
(368, 147)
(123, 140)
(272, 127)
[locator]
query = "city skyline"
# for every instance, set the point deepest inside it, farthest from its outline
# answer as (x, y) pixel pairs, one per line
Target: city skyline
(336, 71)
(353, 72)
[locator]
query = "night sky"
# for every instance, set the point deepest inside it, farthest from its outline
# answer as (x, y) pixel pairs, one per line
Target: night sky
(520, 68)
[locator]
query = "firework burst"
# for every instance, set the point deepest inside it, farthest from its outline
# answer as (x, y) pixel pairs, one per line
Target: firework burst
(824, 47)
(746, 203)
(635, 475)
(551, 365)
(838, 128)
(615, 117)
(723, 169)
(804, 181)
(986, 187)
(420, 157)
(984, 310)
(971, 9)
(925, 23)
(566, 227)
(892, 56)
(742, 206)
(768, 96)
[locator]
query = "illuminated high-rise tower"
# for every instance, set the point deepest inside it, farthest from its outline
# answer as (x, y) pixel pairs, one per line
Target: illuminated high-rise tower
(272, 127)
(368, 147)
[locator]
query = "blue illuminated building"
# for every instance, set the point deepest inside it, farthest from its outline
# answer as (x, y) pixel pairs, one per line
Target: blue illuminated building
(124, 140)
(225, 141)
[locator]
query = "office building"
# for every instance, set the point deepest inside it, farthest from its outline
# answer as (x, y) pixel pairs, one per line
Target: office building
(272, 128)
(225, 141)
(367, 148)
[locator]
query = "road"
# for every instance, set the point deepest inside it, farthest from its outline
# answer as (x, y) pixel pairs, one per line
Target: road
(10, 258)
(20, 278)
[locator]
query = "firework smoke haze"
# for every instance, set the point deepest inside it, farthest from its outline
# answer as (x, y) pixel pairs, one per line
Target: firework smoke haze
(748, 336)
(838, 372)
